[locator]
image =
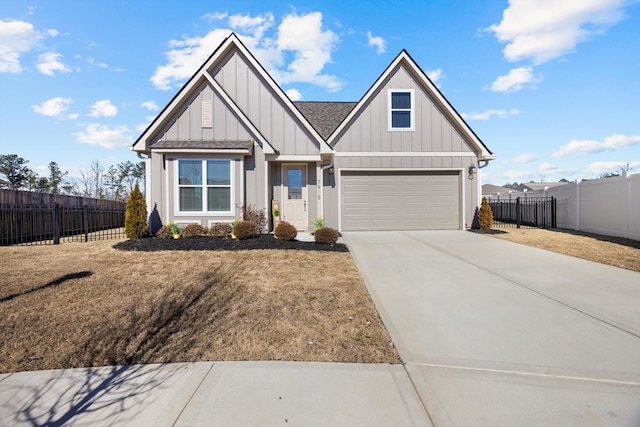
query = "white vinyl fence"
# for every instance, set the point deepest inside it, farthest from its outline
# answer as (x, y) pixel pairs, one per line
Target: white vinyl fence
(609, 206)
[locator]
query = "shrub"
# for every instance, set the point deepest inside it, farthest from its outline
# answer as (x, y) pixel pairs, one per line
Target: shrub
(285, 231)
(221, 229)
(253, 214)
(246, 230)
(193, 230)
(318, 223)
(164, 232)
(135, 217)
(485, 216)
(326, 236)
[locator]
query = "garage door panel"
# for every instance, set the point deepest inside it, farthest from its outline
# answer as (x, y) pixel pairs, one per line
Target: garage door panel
(373, 200)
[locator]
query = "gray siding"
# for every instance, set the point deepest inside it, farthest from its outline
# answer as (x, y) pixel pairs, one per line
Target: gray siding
(263, 107)
(433, 132)
(187, 124)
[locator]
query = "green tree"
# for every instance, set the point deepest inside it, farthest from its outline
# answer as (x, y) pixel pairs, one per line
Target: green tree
(15, 170)
(135, 218)
(56, 180)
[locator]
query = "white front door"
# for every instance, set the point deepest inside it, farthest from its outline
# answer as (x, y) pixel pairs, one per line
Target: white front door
(295, 196)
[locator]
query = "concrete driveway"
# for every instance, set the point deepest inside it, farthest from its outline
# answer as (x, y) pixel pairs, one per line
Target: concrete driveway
(499, 334)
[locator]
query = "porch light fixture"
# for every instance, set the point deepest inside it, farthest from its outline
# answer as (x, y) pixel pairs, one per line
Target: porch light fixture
(472, 170)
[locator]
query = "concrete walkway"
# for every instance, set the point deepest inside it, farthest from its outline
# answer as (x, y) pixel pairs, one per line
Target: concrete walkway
(499, 334)
(214, 393)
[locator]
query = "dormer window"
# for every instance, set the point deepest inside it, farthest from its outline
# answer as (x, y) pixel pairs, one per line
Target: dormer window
(401, 109)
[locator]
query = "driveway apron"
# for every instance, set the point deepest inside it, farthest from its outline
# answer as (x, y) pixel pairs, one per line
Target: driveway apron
(499, 334)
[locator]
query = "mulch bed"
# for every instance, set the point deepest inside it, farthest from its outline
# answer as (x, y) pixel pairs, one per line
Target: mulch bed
(264, 241)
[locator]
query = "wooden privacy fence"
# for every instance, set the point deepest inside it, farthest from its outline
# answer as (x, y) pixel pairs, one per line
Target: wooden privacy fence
(51, 223)
(19, 197)
(535, 212)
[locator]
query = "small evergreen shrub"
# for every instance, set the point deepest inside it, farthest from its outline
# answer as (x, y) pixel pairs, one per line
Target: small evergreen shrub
(485, 216)
(253, 214)
(135, 217)
(221, 229)
(164, 232)
(246, 230)
(326, 236)
(192, 231)
(285, 231)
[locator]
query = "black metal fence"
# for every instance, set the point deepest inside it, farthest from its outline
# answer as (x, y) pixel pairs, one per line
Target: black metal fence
(534, 212)
(52, 223)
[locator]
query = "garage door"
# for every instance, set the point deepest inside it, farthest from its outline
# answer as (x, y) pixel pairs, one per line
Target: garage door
(400, 200)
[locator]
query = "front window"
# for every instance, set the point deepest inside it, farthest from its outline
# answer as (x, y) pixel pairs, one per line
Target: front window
(401, 114)
(204, 186)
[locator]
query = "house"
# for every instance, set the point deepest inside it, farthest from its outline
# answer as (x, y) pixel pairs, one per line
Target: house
(500, 193)
(538, 186)
(401, 158)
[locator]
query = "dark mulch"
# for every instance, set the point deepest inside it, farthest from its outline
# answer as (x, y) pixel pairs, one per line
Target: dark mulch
(265, 241)
(490, 231)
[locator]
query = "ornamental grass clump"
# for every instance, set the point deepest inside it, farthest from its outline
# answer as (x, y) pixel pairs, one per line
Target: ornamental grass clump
(221, 229)
(326, 236)
(246, 230)
(193, 231)
(485, 216)
(285, 231)
(135, 217)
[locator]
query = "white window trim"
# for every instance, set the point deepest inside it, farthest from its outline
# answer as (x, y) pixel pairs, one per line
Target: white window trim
(412, 110)
(204, 211)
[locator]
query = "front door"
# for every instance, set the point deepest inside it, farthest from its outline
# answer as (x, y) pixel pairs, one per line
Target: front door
(295, 196)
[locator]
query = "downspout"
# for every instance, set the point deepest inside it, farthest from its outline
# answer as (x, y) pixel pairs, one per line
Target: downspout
(147, 189)
(324, 168)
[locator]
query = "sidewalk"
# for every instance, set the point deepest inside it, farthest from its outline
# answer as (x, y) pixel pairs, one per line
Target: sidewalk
(214, 393)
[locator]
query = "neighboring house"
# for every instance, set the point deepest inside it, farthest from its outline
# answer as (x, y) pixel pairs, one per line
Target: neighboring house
(401, 158)
(496, 192)
(538, 186)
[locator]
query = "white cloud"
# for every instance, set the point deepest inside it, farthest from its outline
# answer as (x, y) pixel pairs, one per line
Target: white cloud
(49, 63)
(515, 174)
(546, 167)
(54, 107)
(185, 57)
(150, 105)
(598, 168)
(215, 16)
(16, 38)
(378, 42)
(524, 158)
(435, 75)
(104, 136)
(311, 46)
(294, 94)
(545, 29)
(103, 108)
(516, 80)
(486, 115)
(301, 36)
(613, 142)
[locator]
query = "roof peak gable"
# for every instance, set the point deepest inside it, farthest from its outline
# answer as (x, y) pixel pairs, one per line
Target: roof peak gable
(231, 42)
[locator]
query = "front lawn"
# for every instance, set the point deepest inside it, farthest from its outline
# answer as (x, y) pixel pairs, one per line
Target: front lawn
(87, 304)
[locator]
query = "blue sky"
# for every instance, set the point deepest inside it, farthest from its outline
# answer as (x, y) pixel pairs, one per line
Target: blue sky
(551, 86)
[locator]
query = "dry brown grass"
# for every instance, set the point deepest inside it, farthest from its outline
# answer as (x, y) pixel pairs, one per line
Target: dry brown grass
(615, 251)
(86, 304)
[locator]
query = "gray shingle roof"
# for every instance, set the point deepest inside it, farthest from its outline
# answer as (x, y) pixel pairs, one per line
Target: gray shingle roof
(325, 117)
(220, 145)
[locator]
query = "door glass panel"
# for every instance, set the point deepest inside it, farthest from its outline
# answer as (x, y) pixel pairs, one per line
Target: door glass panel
(294, 183)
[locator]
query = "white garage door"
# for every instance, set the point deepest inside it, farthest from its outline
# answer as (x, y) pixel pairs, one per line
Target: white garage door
(400, 200)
